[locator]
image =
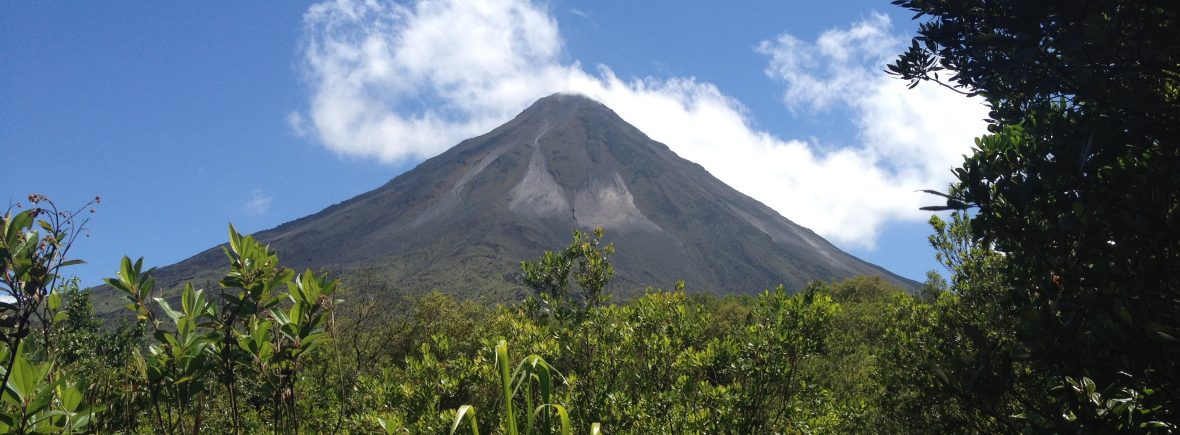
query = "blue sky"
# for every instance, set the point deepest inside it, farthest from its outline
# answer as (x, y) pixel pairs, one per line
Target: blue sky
(184, 117)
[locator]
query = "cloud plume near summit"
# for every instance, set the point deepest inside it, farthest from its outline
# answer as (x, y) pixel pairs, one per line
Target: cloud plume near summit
(402, 82)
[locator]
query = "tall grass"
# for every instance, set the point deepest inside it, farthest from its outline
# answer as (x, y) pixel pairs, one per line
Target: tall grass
(533, 379)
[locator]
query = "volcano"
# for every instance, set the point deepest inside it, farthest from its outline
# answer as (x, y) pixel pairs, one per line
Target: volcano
(462, 221)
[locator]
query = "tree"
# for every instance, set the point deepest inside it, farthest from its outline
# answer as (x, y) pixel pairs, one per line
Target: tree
(36, 398)
(783, 331)
(259, 334)
(951, 359)
(586, 260)
(30, 266)
(1077, 186)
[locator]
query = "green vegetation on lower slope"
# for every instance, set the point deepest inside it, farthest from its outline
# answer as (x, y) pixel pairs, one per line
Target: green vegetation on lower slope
(271, 350)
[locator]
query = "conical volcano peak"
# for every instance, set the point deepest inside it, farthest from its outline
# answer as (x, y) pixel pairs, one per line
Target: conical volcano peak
(561, 106)
(463, 220)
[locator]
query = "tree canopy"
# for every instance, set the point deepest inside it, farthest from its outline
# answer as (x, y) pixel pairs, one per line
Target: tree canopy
(1077, 186)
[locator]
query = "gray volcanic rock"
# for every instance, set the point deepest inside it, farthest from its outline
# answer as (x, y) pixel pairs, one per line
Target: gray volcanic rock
(462, 221)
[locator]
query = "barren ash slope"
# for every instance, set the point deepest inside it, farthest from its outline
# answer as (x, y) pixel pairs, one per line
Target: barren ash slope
(462, 221)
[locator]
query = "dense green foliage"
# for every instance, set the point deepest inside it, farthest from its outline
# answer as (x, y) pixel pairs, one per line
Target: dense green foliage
(270, 350)
(1061, 313)
(1076, 192)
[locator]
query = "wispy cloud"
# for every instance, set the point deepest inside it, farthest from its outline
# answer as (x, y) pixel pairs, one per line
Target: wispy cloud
(910, 138)
(258, 203)
(403, 83)
(298, 124)
(836, 68)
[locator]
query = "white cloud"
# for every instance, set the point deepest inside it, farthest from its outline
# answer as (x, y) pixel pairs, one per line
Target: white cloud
(918, 132)
(298, 124)
(579, 12)
(405, 82)
(401, 83)
(258, 203)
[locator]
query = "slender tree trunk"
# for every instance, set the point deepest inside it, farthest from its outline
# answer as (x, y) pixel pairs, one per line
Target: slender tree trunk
(230, 380)
(339, 371)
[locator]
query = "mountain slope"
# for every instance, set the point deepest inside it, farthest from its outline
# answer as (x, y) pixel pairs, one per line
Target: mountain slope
(462, 221)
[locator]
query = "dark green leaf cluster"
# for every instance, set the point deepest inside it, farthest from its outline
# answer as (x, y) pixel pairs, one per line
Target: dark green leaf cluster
(1077, 188)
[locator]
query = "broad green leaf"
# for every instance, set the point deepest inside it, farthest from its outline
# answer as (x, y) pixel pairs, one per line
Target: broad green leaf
(70, 397)
(172, 314)
(23, 379)
(19, 222)
(54, 301)
(72, 262)
(235, 240)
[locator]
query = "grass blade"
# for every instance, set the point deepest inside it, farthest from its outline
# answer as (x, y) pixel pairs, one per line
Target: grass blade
(564, 416)
(462, 412)
(506, 385)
